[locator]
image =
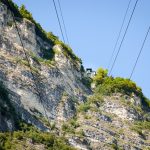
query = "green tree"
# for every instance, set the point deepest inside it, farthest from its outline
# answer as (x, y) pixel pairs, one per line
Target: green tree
(26, 14)
(100, 76)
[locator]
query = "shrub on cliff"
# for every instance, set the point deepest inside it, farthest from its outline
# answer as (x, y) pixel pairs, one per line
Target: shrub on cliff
(26, 14)
(107, 84)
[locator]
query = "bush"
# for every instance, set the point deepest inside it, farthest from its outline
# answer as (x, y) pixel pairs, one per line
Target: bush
(81, 133)
(96, 98)
(108, 85)
(53, 126)
(18, 135)
(73, 122)
(84, 107)
(141, 125)
(100, 76)
(67, 128)
(67, 51)
(114, 85)
(2, 140)
(26, 14)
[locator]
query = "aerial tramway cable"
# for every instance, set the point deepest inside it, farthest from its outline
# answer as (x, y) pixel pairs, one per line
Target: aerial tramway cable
(59, 21)
(119, 34)
(139, 53)
(123, 37)
(63, 21)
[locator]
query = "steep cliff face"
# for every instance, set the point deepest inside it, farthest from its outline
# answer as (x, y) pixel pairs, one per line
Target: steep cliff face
(37, 90)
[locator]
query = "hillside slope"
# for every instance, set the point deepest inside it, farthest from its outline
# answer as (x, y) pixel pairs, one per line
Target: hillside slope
(46, 101)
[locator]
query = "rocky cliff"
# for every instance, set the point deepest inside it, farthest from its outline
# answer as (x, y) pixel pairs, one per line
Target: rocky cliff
(110, 122)
(50, 92)
(36, 88)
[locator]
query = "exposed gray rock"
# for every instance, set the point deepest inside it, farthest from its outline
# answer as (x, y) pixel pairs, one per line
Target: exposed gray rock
(111, 105)
(43, 87)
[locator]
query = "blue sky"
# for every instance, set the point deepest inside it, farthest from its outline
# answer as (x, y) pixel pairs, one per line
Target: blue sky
(93, 27)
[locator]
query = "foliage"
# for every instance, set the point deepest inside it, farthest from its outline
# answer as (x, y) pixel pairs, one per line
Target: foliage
(39, 30)
(73, 122)
(108, 85)
(10, 23)
(81, 133)
(84, 107)
(70, 126)
(53, 126)
(50, 141)
(39, 60)
(67, 51)
(139, 126)
(67, 128)
(96, 99)
(143, 125)
(100, 76)
(51, 36)
(26, 14)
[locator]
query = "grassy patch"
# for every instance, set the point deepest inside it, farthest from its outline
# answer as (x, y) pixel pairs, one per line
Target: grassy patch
(94, 100)
(49, 140)
(140, 126)
(68, 129)
(80, 133)
(49, 62)
(84, 107)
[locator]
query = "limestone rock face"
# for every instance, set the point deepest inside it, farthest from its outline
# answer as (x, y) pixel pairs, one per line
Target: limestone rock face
(114, 106)
(112, 123)
(37, 90)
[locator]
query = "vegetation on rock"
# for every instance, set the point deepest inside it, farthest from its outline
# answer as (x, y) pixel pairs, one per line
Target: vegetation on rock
(22, 12)
(107, 85)
(28, 136)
